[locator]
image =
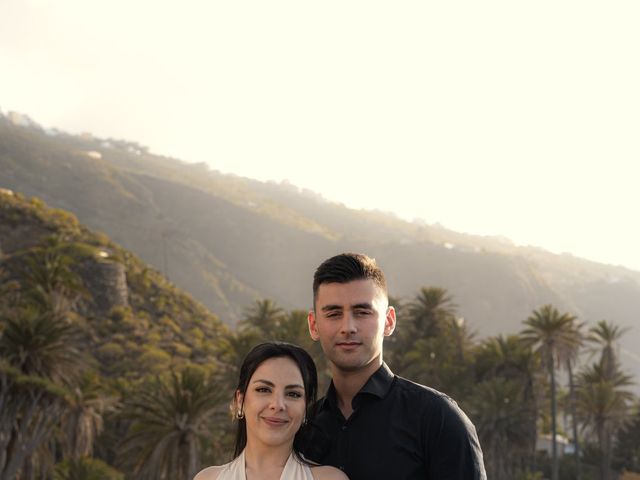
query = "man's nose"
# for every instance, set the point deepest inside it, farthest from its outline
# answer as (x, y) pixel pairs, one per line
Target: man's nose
(348, 323)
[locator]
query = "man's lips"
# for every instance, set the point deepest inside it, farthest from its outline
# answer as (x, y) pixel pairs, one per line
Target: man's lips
(348, 344)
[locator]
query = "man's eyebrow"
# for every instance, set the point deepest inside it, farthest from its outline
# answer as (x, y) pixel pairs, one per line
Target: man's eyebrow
(330, 308)
(362, 305)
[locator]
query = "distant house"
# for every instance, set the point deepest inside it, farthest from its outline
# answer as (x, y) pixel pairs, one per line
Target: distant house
(19, 119)
(629, 475)
(92, 154)
(544, 444)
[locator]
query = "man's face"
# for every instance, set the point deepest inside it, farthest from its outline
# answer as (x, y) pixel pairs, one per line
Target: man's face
(351, 320)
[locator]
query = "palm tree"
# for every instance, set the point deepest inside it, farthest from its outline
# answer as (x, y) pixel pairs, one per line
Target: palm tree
(569, 354)
(551, 335)
(42, 361)
(85, 468)
(429, 310)
(30, 407)
(47, 277)
(263, 316)
(605, 335)
(603, 403)
(500, 409)
(82, 421)
(231, 350)
(41, 344)
(294, 328)
(170, 422)
(510, 359)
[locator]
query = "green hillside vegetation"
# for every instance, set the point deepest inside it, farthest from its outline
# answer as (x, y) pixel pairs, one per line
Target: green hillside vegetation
(85, 328)
(110, 371)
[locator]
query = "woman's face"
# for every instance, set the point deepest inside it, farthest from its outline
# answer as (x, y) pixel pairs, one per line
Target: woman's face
(274, 404)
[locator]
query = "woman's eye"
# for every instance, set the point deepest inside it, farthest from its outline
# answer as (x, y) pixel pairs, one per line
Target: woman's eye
(262, 390)
(295, 394)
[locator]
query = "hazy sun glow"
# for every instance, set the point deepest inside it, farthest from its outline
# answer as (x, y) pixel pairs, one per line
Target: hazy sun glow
(499, 118)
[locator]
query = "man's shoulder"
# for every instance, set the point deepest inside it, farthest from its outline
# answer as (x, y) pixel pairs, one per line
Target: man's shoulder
(427, 400)
(409, 387)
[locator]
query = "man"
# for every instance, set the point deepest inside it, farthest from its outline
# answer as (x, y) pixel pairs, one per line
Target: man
(371, 423)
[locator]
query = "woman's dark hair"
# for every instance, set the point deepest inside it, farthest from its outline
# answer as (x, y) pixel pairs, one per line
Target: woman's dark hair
(258, 355)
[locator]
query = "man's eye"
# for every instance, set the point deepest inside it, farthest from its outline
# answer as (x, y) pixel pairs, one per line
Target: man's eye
(333, 314)
(362, 312)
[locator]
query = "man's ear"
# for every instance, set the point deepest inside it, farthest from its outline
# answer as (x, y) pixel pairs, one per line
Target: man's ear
(313, 327)
(390, 321)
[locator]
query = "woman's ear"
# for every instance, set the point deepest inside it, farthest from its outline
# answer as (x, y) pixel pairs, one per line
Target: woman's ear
(238, 405)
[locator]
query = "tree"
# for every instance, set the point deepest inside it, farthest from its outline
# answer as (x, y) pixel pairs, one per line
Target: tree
(85, 468)
(429, 311)
(48, 280)
(510, 361)
(626, 449)
(605, 336)
(263, 316)
(30, 407)
(170, 423)
(500, 410)
(41, 362)
(551, 334)
(429, 339)
(41, 344)
(82, 421)
(603, 405)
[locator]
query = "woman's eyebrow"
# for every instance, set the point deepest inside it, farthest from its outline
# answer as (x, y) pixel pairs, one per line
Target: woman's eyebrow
(295, 385)
(271, 384)
(267, 382)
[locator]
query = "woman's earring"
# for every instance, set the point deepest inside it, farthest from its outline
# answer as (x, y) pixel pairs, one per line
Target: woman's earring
(239, 414)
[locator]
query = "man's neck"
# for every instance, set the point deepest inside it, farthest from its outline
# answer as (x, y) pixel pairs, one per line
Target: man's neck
(348, 384)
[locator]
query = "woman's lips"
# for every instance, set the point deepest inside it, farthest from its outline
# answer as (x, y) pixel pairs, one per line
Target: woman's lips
(275, 421)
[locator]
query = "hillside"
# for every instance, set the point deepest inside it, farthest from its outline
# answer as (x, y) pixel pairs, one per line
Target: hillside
(228, 240)
(133, 321)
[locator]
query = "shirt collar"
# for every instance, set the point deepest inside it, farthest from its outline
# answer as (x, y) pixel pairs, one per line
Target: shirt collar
(378, 385)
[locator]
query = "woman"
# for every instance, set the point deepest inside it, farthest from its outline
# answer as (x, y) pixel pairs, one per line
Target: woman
(277, 385)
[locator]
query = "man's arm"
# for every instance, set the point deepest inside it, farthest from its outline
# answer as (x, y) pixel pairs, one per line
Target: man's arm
(452, 448)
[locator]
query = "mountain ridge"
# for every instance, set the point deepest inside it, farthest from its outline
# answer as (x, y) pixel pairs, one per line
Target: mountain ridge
(229, 240)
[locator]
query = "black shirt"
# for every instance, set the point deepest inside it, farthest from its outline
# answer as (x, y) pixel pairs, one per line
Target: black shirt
(398, 430)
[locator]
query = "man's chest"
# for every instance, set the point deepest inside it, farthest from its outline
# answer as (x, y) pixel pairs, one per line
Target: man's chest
(373, 445)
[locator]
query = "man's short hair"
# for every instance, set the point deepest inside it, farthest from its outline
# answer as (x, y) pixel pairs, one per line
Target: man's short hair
(348, 267)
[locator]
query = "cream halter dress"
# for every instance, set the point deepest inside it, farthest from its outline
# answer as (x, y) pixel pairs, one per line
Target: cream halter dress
(293, 470)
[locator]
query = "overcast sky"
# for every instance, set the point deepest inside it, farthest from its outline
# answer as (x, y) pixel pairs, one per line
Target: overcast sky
(510, 118)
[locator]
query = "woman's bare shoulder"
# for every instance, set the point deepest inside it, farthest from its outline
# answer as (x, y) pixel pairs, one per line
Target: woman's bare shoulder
(209, 473)
(326, 472)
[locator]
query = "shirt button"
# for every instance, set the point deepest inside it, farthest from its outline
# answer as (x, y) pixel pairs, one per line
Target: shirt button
(344, 427)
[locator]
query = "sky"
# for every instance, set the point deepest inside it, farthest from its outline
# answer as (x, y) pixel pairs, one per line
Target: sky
(511, 118)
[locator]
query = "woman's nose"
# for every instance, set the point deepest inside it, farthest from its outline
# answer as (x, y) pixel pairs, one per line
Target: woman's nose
(277, 402)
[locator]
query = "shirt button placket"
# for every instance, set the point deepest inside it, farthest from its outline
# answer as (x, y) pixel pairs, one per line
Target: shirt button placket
(344, 446)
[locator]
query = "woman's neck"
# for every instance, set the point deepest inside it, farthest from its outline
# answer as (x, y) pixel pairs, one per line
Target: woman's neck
(265, 461)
